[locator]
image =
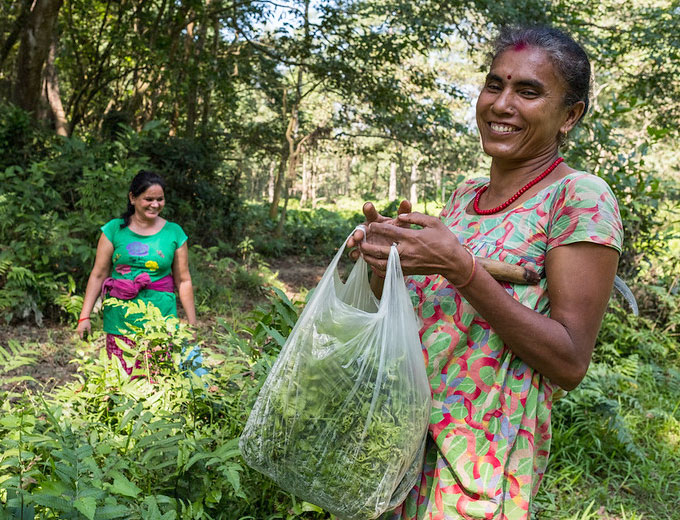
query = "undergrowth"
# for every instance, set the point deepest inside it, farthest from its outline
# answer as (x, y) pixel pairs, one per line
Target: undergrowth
(163, 445)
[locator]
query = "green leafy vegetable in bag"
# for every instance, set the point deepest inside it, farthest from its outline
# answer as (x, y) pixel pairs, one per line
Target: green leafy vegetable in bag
(342, 417)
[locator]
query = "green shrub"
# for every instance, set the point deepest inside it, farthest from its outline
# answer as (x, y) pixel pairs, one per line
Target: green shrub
(106, 446)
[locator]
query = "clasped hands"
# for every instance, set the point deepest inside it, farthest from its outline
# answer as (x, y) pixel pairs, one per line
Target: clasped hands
(430, 249)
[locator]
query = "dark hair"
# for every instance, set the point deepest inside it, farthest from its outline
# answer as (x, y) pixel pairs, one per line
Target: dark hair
(142, 182)
(568, 57)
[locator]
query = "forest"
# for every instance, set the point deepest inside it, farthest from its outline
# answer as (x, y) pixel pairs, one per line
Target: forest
(272, 121)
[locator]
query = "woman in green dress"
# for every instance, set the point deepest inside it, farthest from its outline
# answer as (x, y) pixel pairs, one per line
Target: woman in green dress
(141, 257)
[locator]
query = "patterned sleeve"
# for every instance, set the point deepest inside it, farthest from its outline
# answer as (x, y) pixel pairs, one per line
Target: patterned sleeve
(585, 210)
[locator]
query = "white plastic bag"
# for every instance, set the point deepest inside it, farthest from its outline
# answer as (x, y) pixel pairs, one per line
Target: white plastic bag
(341, 419)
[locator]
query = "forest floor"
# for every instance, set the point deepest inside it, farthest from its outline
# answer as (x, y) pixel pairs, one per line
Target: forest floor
(54, 342)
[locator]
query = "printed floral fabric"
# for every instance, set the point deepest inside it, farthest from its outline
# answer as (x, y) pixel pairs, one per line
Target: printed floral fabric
(135, 254)
(490, 421)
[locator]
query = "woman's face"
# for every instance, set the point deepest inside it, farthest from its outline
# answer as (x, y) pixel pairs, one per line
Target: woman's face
(520, 111)
(149, 203)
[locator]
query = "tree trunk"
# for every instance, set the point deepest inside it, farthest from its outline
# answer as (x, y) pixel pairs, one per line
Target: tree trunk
(413, 181)
(210, 81)
(304, 196)
(278, 232)
(191, 101)
(315, 180)
(33, 52)
(52, 93)
(278, 185)
(392, 188)
(295, 147)
(19, 25)
(271, 182)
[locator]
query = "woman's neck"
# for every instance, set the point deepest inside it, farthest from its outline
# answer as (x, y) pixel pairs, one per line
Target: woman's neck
(145, 226)
(508, 176)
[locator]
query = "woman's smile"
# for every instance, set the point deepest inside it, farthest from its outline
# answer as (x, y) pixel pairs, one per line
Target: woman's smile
(503, 128)
(520, 110)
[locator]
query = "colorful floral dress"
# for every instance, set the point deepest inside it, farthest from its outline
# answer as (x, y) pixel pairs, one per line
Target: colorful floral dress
(134, 255)
(490, 421)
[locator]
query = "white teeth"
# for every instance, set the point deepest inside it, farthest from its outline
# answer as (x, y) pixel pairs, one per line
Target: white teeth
(502, 128)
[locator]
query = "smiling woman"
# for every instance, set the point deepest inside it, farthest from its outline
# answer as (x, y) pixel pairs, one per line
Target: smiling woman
(496, 352)
(140, 257)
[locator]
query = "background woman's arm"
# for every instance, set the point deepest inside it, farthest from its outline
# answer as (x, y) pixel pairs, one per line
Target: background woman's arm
(182, 277)
(100, 271)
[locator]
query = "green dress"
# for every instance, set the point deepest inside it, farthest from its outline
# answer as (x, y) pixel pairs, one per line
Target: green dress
(134, 254)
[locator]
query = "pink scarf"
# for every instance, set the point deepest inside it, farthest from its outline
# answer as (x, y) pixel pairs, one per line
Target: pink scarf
(127, 289)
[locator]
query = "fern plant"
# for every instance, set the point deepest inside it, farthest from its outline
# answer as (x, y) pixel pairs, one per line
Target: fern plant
(14, 357)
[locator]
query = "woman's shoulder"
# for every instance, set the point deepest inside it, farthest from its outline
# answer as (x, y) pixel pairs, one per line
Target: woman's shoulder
(584, 208)
(173, 227)
(580, 186)
(112, 226)
(584, 181)
(175, 231)
(468, 187)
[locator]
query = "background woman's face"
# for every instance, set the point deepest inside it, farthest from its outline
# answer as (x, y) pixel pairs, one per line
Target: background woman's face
(520, 109)
(149, 203)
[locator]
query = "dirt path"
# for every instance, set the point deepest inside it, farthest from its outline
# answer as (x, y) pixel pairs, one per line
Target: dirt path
(298, 274)
(55, 345)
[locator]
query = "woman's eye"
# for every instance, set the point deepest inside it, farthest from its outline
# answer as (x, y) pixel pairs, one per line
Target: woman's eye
(493, 87)
(529, 93)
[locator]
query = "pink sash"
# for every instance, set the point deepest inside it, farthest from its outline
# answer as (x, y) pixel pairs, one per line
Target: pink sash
(127, 289)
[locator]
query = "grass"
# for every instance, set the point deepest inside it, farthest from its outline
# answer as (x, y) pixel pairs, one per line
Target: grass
(616, 438)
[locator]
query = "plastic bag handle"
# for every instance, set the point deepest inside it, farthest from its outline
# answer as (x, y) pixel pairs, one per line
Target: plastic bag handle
(393, 275)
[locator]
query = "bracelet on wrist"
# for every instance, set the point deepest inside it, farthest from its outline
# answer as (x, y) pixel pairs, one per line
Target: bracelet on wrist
(472, 271)
(83, 319)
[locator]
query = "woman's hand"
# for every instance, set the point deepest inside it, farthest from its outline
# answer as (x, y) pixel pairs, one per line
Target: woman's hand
(84, 328)
(432, 249)
(372, 215)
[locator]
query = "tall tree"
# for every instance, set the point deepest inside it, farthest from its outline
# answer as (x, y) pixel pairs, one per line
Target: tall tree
(36, 38)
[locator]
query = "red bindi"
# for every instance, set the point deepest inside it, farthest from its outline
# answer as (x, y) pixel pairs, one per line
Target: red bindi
(509, 76)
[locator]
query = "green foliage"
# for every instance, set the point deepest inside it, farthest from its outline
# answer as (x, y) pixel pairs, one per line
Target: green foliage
(616, 434)
(603, 147)
(203, 190)
(13, 358)
(307, 231)
(51, 209)
(21, 140)
(107, 446)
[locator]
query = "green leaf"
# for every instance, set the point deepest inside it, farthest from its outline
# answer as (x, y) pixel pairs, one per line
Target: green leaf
(307, 507)
(108, 512)
(87, 506)
(122, 486)
(275, 334)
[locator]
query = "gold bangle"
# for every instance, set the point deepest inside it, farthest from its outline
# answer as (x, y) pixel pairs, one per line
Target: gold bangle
(472, 271)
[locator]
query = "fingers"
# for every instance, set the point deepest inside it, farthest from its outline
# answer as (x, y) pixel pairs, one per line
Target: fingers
(370, 212)
(387, 232)
(355, 239)
(404, 207)
(418, 219)
(372, 216)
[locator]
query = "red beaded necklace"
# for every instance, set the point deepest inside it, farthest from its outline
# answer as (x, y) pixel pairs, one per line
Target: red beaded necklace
(516, 195)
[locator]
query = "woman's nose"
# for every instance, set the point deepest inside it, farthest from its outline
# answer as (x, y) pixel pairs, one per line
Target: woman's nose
(503, 103)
